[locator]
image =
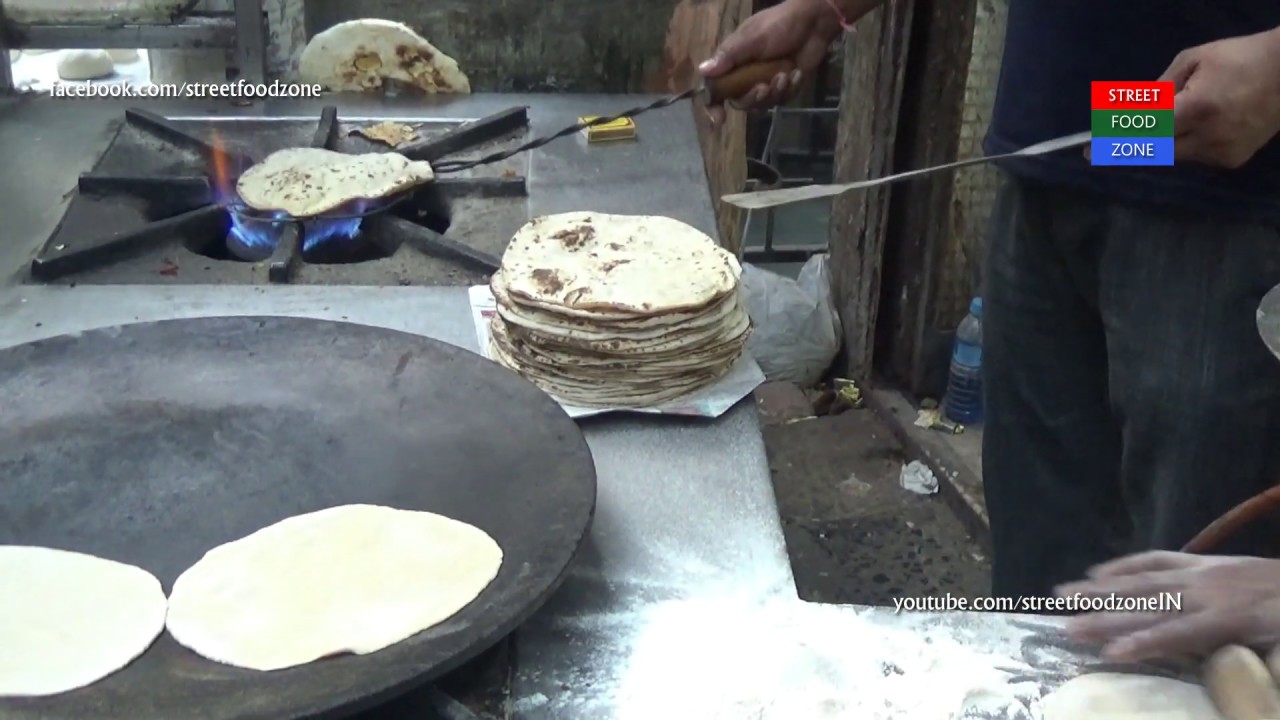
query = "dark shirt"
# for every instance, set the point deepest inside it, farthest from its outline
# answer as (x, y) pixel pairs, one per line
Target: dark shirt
(1055, 48)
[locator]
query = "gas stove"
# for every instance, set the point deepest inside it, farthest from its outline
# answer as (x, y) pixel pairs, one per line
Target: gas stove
(159, 207)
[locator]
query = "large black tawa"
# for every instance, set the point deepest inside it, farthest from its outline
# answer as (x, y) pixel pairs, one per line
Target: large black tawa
(152, 443)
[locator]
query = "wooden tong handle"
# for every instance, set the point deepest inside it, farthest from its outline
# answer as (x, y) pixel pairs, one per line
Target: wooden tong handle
(739, 81)
(1246, 513)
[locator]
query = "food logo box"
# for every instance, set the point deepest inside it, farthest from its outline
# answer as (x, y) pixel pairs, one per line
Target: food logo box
(1132, 124)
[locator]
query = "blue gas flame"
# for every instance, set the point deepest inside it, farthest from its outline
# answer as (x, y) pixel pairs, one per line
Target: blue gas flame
(318, 231)
(255, 238)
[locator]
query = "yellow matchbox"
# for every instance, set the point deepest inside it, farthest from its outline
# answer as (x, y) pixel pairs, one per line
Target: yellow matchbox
(620, 129)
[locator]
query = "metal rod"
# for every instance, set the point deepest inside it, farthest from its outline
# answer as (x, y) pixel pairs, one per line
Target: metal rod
(162, 128)
(468, 135)
(386, 239)
(770, 225)
(287, 256)
(189, 33)
(499, 187)
(251, 40)
(6, 67)
(142, 185)
(326, 129)
(52, 263)
(429, 242)
(789, 255)
(445, 707)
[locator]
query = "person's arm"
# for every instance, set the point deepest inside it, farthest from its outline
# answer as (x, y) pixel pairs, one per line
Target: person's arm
(1164, 604)
(799, 31)
(1228, 102)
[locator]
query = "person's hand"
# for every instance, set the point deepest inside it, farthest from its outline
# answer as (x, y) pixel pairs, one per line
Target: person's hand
(1228, 101)
(799, 30)
(1225, 600)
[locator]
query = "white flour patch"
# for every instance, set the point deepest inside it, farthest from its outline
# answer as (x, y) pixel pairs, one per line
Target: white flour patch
(787, 660)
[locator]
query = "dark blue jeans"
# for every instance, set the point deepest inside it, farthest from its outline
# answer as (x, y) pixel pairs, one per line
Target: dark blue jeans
(1129, 398)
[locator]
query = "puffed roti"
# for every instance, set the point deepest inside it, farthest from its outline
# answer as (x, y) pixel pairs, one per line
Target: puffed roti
(360, 55)
(304, 182)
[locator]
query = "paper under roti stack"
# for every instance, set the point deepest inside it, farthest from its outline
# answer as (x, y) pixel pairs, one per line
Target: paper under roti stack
(621, 311)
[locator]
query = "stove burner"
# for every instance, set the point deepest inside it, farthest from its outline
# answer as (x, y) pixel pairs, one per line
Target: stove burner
(331, 238)
(202, 212)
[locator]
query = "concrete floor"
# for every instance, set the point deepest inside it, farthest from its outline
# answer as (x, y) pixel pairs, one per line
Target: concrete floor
(853, 534)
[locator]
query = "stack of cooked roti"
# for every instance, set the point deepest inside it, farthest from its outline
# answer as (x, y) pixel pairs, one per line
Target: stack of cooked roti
(617, 310)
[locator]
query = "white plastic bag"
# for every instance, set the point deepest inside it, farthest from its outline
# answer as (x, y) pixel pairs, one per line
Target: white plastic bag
(797, 330)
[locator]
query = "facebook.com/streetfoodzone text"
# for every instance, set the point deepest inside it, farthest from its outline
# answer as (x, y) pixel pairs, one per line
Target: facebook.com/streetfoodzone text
(1164, 602)
(236, 90)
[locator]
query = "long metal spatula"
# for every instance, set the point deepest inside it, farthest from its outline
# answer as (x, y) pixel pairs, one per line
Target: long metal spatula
(786, 196)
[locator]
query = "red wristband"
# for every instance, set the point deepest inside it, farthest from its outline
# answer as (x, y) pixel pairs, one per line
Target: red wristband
(844, 22)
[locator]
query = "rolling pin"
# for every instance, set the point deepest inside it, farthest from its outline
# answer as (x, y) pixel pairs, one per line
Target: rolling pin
(1241, 685)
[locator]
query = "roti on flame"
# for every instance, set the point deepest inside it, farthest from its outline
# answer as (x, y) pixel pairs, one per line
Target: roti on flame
(304, 182)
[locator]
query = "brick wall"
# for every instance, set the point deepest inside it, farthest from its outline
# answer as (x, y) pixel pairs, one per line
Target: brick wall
(975, 187)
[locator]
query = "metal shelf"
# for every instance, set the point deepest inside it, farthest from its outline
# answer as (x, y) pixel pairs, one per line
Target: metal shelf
(212, 32)
(243, 30)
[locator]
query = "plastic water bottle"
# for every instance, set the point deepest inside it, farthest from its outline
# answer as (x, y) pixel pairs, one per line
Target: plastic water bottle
(963, 403)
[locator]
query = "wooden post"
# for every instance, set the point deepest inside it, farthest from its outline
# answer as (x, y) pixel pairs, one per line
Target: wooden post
(875, 57)
(697, 27)
(926, 269)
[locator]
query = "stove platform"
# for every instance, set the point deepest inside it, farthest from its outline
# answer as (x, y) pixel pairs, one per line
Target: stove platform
(159, 208)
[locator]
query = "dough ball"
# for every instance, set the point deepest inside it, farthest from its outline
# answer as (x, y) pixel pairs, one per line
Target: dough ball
(14, 55)
(123, 56)
(1119, 696)
(85, 65)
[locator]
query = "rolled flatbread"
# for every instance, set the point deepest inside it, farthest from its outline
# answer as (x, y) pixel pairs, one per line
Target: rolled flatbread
(1119, 696)
(360, 54)
(303, 182)
(68, 619)
(349, 579)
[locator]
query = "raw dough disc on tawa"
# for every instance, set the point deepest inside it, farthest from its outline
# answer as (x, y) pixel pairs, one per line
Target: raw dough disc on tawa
(353, 578)
(68, 619)
(1118, 696)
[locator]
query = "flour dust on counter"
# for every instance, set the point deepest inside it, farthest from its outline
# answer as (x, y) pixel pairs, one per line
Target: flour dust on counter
(783, 659)
(787, 660)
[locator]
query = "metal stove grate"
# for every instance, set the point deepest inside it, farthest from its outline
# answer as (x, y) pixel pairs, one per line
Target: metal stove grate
(185, 207)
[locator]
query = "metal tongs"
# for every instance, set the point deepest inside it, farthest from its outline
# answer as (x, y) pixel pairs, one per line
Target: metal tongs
(733, 84)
